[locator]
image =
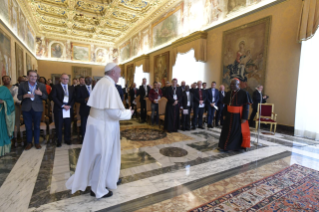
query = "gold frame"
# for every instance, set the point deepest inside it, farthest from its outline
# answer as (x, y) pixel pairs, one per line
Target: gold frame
(267, 20)
(81, 45)
(273, 117)
(179, 7)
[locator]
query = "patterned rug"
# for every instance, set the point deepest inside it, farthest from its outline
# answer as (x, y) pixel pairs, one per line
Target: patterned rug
(295, 188)
(143, 134)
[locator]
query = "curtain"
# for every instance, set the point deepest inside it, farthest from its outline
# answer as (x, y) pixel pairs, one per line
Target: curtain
(307, 114)
(309, 19)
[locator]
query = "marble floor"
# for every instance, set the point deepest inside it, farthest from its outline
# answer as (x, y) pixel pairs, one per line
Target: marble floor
(160, 171)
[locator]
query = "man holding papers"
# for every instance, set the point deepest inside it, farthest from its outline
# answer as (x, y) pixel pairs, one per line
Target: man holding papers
(63, 98)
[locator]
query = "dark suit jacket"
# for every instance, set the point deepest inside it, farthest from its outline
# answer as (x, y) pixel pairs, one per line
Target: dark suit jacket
(27, 104)
(58, 96)
(256, 99)
(142, 92)
(210, 96)
(132, 94)
(184, 99)
(119, 88)
(170, 95)
(81, 94)
(196, 96)
(221, 98)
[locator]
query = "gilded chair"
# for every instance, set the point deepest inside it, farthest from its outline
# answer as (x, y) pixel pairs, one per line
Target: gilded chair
(148, 108)
(161, 109)
(267, 115)
(138, 105)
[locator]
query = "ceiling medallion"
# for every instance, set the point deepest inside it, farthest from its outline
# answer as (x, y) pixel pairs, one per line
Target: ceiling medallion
(135, 5)
(124, 16)
(110, 33)
(90, 7)
(54, 29)
(53, 21)
(116, 25)
(86, 20)
(52, 11)
(82, 34)
(61, 3)
(83, 27)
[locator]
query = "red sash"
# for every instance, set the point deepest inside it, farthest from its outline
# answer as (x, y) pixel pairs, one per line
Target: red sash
(245, 131)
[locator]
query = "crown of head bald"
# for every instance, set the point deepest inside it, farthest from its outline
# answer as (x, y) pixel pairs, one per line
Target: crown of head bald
(109, 67)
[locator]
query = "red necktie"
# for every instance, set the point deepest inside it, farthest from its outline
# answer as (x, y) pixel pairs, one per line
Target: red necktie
(200, 94)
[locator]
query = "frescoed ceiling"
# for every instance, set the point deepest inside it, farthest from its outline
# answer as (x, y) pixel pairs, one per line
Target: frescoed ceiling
(96, 21)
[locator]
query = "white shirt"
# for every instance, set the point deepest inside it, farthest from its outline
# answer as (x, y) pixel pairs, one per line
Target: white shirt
(213, 95)
(145, 88)
(89, 88)
(65, 89)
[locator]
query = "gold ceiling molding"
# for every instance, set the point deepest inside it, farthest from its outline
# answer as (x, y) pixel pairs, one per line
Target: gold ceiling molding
(54, 29)
(135, 5)
(83, 27)
(52, 11)
(86, 19)
(124, 16)
(82, 34)
(90, 7)
(110, 33)
(70, 37)
(53, 21)
(190, 38)
(116, 25)
(105, 38)
(62, 3)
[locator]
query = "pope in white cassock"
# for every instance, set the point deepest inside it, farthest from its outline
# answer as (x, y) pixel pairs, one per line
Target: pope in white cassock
(100, 158)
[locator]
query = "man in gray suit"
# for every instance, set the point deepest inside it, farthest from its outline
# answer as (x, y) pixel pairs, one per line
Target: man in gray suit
(31, 93)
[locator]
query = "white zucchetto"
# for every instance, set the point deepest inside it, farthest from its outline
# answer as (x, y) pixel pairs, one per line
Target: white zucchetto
(109, 67)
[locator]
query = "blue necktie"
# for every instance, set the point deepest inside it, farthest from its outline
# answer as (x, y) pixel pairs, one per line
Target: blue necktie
(65, 91)
(89, 90)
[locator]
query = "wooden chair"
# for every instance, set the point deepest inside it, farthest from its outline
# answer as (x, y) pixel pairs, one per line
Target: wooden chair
(138, 105)
(161, 109)
(267, 115)
(148, 108)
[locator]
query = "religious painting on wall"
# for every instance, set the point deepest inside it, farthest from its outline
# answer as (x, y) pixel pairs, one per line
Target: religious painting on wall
(168, 27)
(28, 62)
(130, 72)
(234, 5)
(135, 45)
(56, 50)
(81, 52)
(161, 68)
(100, 55)
(245, 54)
(39, 49)
(19, 60)
(77, 71)
(22, 26)
(30, 39)
(115, 55)
(4, 10)
(125, 51)
(14, 16)
(145, 41)
(5, 54)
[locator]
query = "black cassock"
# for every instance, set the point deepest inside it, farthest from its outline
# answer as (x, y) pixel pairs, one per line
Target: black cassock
(231, 136)
(172, 112)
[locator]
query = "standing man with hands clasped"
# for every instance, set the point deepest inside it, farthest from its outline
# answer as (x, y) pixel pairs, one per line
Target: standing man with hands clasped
(63, 98)
(31, 94)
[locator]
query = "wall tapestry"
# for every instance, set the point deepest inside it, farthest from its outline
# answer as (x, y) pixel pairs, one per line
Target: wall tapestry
(245, 54)
(19, 61)
(28, 61)
(161, 68)
(81, 71)
(130, 72)
(5, 54)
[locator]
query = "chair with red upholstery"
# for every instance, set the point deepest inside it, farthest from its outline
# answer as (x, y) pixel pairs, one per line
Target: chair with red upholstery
(267, 115)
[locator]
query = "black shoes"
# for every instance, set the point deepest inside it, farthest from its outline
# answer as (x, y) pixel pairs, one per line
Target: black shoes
(58, 145)
(105, 196)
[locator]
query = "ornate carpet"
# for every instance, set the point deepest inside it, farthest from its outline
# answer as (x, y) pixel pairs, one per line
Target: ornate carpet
(295, 188)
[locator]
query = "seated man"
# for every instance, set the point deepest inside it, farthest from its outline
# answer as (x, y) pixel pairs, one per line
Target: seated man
(235, 133)
(154, 96)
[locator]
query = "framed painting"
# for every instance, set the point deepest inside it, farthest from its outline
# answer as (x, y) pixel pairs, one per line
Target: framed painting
(168, 27)
(129, 76)
(161, 68)
(125, 51)
(28, 61)
(4, 10)
(5, 54)
(244, 54)
(56, 78)
(19, 61)
(56, 50)
(30, 38)
(81, 71)
(81, 52)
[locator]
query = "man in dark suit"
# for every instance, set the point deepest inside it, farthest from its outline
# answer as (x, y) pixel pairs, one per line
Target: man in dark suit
(212, 100)
(187, 104)
(134, 92)
(32, 94)
(257, 98)
(63, 97)
(82, 97)
(120, 90)
(144, 91)
(199, 105)
(220, 105)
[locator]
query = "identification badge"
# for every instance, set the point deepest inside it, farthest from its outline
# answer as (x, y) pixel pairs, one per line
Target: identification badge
(201, 105)
(175, 97)
(32, 99)
(65, 99)
(185, 112)
(188, 103)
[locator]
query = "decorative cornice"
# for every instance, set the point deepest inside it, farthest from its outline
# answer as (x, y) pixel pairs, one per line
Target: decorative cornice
(190, 38)
(142, 57)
